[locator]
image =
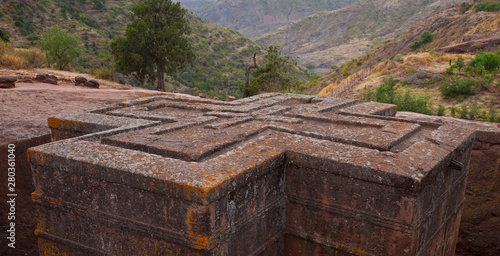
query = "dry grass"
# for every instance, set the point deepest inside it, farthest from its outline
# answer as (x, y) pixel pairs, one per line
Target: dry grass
(427, 59)
(491, 24)
(328, 89)
(20, 58)
(13, 62)
(350, 79)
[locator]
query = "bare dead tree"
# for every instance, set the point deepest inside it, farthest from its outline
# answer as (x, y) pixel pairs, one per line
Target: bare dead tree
(247, 75)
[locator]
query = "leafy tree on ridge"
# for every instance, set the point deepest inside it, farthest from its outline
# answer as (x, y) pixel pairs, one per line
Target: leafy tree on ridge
(61, 47)
(272, 75)
(155, 42)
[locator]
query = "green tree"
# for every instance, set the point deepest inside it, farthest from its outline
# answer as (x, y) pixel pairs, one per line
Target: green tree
(4, 36)
(155, 42)
(272, 75)
(425, 37)
(485, 61)
(61, 48)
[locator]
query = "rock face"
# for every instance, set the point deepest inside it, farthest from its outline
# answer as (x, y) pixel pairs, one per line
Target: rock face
(480, 224)
(273, 174)
(489, 44)
(46, 78)
(8, 81)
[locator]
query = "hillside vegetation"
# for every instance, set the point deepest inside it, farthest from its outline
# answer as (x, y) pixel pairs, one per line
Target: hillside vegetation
(331, 38)
(221, 53)
(449, 26)
(419, 79)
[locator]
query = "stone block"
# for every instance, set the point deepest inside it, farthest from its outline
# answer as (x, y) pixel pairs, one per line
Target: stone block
(91, 84)
(80, 81)
(46, 78)
(273, 174)
(8, 81)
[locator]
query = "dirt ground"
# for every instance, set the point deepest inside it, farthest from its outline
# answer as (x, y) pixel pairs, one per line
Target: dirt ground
(25, 108)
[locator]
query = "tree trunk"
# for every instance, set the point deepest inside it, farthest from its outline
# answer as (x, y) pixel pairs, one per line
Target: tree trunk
(160, 83)
(247, 76)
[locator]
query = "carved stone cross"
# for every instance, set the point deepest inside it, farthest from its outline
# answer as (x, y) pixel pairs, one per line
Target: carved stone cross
(274, 174)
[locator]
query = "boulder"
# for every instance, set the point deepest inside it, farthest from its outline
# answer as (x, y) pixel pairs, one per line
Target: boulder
(488, 44)
(80, 81)
(215, 98)
(202, 95)
(8, 81)
(46, 78)
(231, 98)
(91, 83)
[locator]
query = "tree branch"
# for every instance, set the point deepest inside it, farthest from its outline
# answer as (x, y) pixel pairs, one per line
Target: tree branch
(247, 76)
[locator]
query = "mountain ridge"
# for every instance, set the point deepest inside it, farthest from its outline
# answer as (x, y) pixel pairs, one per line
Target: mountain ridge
(331, 38)
(255, 17)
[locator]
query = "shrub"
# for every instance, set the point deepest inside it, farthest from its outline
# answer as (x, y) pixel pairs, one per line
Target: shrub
(20, 58)
(4, 36)
(487, 7)
(484, 82)
(425, 38)
(386, 93)
(345, 73)
(464, 7)
(460, 62)
(441, 110)
(398, 58)
(13, 62)
(493, 115)
(449, 70)
(411, 80)
(463, 112)
(485, 61)
(421, 74)
(436, 78)
(34, 58)
(4, 48)
(102, 73)
(458, 87)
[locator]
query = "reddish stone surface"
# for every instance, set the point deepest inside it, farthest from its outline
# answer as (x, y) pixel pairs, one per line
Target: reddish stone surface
(8, 81)
(80, 80)
(91, 83)
(24, 208)
(480, 221)
(488, 44)
(24, 114)
(275, 174)
(46, 78)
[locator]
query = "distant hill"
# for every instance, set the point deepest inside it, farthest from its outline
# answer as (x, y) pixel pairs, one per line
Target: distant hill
(449, 26)
(221, 53)
(422, 75)
(195, 6)
(255, 17)
(330, 38)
